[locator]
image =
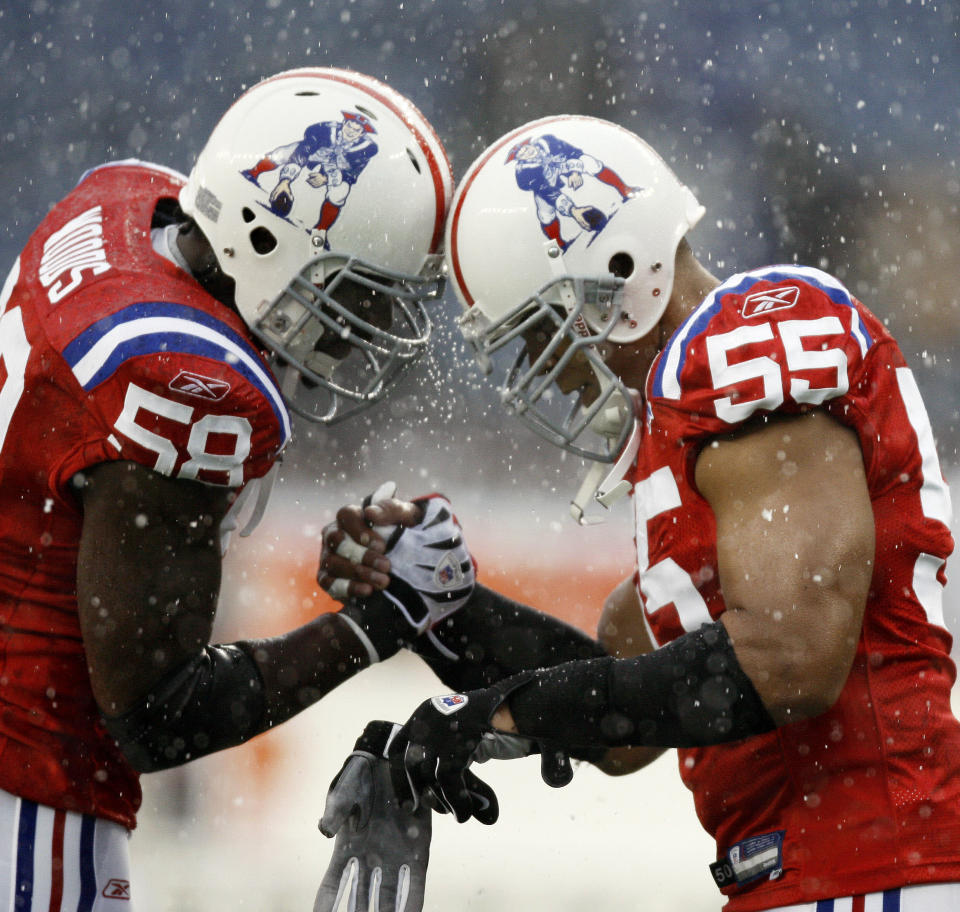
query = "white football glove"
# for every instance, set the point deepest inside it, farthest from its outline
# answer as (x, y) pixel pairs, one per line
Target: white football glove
(380, 857)
(432, 573)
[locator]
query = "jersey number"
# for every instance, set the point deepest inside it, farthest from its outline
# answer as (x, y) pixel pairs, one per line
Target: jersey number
(666, 582)
(767, 370)
(139, 401)
(14, 351)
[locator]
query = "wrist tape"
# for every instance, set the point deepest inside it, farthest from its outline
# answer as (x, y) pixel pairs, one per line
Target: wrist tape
(692, 692)
(378, 624)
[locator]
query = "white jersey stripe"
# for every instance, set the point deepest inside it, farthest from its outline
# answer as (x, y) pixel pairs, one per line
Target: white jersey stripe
(98, 355)
(71, 872)
(9, 805)
(42, 866)
(59, 861)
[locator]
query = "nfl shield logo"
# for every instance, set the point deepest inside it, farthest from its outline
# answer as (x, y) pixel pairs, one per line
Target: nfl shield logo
(450, 703)
(448, 573)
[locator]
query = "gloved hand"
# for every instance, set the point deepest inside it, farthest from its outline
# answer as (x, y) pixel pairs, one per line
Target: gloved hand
(380, 856)
(431, 754)
(432, 573)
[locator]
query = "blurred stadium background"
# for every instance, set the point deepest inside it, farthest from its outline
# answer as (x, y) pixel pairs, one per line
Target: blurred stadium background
(823, 132)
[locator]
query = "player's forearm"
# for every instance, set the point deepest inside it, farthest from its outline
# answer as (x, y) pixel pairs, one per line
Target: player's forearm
(621, 761)
(225, 695)
(301, 666)
(494, 637)
(690, 693)
(614, 761)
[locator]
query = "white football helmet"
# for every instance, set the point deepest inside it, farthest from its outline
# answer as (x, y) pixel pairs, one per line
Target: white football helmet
(568, 224)
(323, 194)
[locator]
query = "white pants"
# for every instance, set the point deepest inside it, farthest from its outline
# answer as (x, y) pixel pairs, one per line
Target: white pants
(60, 861)
(943, 897)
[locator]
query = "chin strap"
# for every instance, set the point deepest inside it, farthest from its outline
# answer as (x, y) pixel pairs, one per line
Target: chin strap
(604, 486)
(264, 487)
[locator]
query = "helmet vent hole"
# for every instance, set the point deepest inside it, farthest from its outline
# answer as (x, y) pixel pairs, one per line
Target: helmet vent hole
(621, 265)
(247, 215)
(413, 160)
(307, 94)
(366, 112)
(262, 240)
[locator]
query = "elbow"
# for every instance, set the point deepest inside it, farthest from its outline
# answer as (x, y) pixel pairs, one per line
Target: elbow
(799, 670)
(797, 708)
(143, 763)
(139, 749)
(803, 692)
(621, 761)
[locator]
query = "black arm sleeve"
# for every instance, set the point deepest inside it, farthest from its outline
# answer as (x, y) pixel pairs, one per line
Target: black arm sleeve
(495, 637)
(214, 701)
(690, 693)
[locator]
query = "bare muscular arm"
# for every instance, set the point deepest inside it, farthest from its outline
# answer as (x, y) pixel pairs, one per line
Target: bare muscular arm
(148, 576)
(795, 545)
(147, 586)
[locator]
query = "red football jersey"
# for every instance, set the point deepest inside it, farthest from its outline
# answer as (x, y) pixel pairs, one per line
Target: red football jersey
(866, 796)
(107, 352)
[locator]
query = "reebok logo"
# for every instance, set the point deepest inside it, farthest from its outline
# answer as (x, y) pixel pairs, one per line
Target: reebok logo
(197, 385)
(764, 301)
(116, 888)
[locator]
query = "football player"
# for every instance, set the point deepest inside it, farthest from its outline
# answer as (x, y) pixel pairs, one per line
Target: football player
(784, 628)
(154, 334)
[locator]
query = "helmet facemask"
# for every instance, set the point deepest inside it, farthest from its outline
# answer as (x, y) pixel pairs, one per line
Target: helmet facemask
(348, 330)
(593, 418)
(588, 213)
(323, 194)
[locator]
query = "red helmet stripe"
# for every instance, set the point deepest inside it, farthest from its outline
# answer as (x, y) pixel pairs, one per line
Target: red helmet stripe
(462, 195)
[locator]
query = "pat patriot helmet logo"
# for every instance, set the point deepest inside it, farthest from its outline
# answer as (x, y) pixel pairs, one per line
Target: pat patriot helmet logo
(551, 168)
(764, 301)
(322, 167)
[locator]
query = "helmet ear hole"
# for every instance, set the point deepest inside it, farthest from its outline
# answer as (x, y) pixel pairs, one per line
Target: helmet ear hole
(621, 265)
(263, 240)
(247, 214)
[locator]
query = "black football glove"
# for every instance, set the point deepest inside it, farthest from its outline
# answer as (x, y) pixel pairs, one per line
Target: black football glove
(431, 754)
(381, 852)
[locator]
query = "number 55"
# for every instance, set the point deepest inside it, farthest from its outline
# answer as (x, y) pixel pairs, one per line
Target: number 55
(764, 368)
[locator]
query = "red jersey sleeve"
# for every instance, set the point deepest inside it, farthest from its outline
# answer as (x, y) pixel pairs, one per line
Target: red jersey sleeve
(840, 804)
(778, 339)
(175, 388)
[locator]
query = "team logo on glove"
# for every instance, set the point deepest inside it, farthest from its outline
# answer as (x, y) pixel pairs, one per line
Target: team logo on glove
(450, 703)
(448, 574)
